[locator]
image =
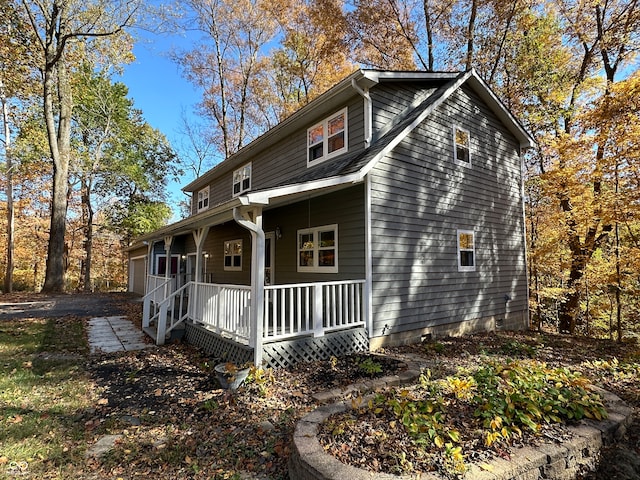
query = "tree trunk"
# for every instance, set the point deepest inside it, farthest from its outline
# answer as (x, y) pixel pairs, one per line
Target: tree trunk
(87, 216)
(471, 32)
(8, 276)
(59, 142)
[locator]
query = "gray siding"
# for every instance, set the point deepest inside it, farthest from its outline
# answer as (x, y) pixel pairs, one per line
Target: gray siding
(287, 159)
(392, 102)
(420, 197)
(345, 208)
(313, 212)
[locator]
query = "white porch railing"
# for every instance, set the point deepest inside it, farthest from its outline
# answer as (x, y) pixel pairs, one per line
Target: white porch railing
(224, 309)
(311, 309)
(290, 311)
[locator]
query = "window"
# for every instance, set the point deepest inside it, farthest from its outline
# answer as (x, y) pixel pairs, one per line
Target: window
(242, 180)
(318, 249)
(462, 145)
(233, 255)
(328, 138)
(203, 199)
(466, 251)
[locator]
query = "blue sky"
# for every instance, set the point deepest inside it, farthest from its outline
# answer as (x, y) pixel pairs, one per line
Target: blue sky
(158, 89)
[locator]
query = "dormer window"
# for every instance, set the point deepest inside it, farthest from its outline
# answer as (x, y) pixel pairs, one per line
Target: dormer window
(203, 199)
(242, 180)
(327, 138)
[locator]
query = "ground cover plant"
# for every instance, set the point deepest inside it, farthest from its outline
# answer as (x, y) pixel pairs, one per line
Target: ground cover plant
(174, 422)
(431, 426)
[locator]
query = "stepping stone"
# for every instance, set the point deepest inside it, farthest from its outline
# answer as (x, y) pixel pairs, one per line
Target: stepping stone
(104, 445)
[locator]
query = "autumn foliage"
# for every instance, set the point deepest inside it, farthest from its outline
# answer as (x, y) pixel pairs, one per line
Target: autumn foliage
(566, 68)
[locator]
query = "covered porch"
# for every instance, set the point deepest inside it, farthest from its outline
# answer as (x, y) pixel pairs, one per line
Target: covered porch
(296, 322)
(260, 306)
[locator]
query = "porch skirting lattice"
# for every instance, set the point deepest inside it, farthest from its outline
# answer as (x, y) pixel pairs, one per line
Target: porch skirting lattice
(217, 346)
(280, 354)
(308, 349)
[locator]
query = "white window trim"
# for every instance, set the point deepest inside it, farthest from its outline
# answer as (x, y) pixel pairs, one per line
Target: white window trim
(325, 139)
(455, 146)
(204, 207)
(232, 268)
(233, 183)
(466, 268)
(315, 268)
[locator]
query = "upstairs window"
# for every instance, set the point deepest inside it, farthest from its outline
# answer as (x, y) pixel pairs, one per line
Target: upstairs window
(318, 249)
(466, 251)
(203, 199)
(462, 145)
(233, 255)
(327, 138)
(242, 180)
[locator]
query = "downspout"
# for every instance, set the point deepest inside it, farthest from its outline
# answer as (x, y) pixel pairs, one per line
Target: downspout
(368, 283)
(368, 112)
(257, 277)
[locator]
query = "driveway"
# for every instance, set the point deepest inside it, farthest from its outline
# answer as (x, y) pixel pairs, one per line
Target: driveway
(16, 306)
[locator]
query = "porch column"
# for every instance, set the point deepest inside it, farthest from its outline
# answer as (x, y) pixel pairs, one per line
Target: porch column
(167, 249)
(149, 265)
(199, 236)
(252, 221)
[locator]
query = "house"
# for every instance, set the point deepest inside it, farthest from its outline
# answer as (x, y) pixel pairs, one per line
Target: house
(387, 210)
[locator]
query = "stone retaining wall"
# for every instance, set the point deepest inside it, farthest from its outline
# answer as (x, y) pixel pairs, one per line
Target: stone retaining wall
(308, 460)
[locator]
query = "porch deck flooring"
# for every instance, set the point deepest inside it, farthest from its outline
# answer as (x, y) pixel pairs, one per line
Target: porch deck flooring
(115, 334)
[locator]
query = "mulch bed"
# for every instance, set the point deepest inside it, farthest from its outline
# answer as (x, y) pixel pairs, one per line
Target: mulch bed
(177, 423)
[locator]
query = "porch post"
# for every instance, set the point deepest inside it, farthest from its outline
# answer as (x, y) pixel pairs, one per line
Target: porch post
(254, 225)
(198, 236)
(146, 305)
(167, 248)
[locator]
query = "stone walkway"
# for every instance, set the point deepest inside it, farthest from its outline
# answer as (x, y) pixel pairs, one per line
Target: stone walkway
(115, 334)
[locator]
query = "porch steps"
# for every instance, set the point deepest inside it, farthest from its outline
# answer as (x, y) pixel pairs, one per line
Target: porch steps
(174, 335)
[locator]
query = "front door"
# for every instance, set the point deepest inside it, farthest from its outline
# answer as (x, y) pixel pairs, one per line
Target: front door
(269, 258)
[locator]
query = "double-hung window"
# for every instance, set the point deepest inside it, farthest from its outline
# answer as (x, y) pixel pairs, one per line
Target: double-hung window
(203, 199)
(233, 255)
(242, 180)
(461, 145)
(327, 138)
(318, 249)
(466, 251)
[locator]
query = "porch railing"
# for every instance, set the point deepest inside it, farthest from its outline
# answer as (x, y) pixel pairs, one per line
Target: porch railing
(311, 309)
(290, 311)
(224, 309)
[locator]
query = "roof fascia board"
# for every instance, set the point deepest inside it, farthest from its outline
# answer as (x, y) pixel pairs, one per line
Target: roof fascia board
(264, 197)
(378, 76)
(482, 89)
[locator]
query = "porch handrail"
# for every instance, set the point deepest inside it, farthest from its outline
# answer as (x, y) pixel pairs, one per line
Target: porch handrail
(147, 300)
(314, 308)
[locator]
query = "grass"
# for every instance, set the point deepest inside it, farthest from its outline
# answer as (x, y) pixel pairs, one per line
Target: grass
(44, 391)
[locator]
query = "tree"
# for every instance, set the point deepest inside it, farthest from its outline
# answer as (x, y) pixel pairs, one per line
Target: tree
(101, 109)
(16, 81)
(313, 53)
(62, 29)
(225, 65)
(383, 34)
(137, 163)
